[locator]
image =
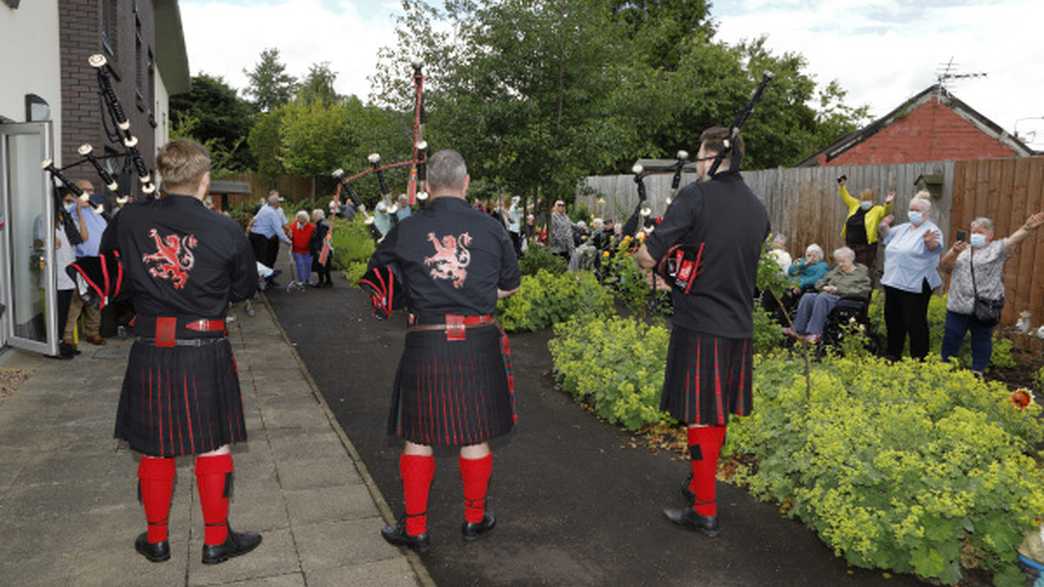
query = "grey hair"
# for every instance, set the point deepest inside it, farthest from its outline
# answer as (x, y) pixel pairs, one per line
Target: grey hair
(844, 252)
(983, 223)
(302, 214)
(273, 199)
(318, 215)
(815, 249)
(780, 239)
(923, 198)
(446, 169)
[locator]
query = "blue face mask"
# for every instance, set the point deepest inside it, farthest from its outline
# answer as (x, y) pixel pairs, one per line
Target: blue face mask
(866, 205)
(916, 218)
(978, 240)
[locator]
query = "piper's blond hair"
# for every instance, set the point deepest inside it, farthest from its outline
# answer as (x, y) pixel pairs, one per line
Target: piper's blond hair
(182, 163)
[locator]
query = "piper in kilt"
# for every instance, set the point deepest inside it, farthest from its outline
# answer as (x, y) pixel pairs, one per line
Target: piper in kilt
(714, 229)
(183, 264)
(453, 387)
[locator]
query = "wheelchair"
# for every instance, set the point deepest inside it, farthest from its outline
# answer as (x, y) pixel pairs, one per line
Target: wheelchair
(849, 310)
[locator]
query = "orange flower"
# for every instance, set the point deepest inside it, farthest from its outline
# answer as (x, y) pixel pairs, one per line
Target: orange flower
(1021, 398)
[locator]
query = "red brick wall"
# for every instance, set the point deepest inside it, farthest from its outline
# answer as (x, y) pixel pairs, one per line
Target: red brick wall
(929, 132)
(80, 36)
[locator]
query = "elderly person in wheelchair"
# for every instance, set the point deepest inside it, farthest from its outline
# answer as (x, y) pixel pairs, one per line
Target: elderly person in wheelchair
(847, 279)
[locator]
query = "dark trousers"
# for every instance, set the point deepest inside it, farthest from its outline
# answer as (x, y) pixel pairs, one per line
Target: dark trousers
(260, 246)
(323, 270)
(64, 301)
(866, 255)
(272, 252)
(516, 241)
(957, 325)
(906, 314)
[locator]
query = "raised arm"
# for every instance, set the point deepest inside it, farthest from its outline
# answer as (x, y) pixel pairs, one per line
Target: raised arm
(1032, 223)
(842, 190)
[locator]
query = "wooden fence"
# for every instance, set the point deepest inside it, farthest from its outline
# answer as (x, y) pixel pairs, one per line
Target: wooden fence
(291, 187)
(804, 206)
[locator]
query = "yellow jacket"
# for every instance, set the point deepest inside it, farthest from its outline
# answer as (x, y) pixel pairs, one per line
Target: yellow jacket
(873, 216)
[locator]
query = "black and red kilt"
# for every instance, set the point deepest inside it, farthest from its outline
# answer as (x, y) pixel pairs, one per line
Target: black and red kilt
(180, 401)
(453, 393)
(707, 377)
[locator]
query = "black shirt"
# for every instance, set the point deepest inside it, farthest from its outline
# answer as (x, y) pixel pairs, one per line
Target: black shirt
(452, 257)
(732, 222)
(181, 259)
(855, 228)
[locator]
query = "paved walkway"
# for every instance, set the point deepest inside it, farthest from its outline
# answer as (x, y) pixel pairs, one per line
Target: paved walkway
(68, 513)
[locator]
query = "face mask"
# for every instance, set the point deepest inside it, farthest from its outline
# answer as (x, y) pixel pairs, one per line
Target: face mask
(866, 205)
(916, 218)
(978, 240)
(70, 207)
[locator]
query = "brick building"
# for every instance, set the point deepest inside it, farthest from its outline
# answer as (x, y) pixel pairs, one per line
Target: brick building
(931, 126)
(49, 106)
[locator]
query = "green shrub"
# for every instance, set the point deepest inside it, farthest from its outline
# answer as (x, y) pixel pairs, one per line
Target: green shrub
(615, 365)
(546, 299)
(536, 258)
(913, 467)
(1002, 358)
(355, 271)
(768, 334)
(352, 243)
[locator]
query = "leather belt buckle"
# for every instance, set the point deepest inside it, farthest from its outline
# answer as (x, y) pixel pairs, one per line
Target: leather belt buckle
(456, 329)
(166, 332)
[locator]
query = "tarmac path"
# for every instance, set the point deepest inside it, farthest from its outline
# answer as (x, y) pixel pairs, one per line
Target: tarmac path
(574, 506)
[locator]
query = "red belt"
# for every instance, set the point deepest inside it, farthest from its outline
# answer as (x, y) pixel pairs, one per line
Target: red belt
(206, 325)
(455, 326)
(167, 329)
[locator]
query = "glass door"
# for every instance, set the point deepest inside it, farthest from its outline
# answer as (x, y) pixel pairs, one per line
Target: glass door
(27, 250)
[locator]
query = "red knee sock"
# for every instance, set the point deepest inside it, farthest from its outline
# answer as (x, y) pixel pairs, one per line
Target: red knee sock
(475, 473)
(155, 487)
(705, 445)
(416, 472)
(214, 479)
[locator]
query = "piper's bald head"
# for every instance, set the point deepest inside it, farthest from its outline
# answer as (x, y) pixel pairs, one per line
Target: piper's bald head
(447, 174)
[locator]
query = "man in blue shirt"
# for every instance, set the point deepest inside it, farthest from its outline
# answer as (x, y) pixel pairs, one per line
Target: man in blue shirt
(91, 225)
(266, 230)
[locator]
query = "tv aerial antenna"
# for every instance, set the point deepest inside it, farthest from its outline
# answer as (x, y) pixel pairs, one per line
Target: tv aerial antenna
(947, 73)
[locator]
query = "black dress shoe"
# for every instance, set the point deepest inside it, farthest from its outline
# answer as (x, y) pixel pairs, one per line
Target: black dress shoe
(237, 544)
(473, 532)
(397, 536)
(155, 553)
(689, 519)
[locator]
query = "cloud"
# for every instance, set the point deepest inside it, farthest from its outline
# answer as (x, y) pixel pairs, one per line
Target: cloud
(884, 51)
(225, 36)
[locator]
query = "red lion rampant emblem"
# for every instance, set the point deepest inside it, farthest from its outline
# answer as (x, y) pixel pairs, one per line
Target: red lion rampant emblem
(173, 257)
(451, 258)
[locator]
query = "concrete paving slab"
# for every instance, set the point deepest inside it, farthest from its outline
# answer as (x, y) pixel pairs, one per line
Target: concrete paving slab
(339, 544)
(316, 473)
(349, 502)
(395, 572)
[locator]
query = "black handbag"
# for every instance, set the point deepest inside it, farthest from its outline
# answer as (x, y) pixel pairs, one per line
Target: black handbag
(986, 311)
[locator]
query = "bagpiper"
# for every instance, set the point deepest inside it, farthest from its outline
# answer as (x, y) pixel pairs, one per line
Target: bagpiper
(181, 266)
(707, 247)
(449, 264)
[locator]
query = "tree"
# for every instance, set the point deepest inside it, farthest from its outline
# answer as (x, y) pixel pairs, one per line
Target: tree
(269, 84)
(214, 115)
(318, 85)
(265, 143)
(315, 138)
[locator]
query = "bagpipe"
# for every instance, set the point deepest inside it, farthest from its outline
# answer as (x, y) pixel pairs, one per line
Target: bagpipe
(682, 264)
(118, 131)
(417, 163)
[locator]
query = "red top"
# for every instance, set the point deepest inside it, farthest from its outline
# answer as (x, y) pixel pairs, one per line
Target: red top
(302, 237)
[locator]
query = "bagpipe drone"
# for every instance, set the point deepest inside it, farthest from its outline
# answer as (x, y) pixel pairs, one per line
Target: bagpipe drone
(387, 293)
(681, 264)
(101, 277)
(417, 163)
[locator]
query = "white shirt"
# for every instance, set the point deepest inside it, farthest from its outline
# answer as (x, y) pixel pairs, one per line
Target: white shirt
(64, 255)
(908, 261)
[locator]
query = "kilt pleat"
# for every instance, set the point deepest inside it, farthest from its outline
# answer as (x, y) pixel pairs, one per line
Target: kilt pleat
(180, 401)
(707, 378)
(452, 393)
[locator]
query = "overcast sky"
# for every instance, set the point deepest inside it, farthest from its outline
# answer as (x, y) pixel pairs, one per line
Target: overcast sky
(882, 51)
